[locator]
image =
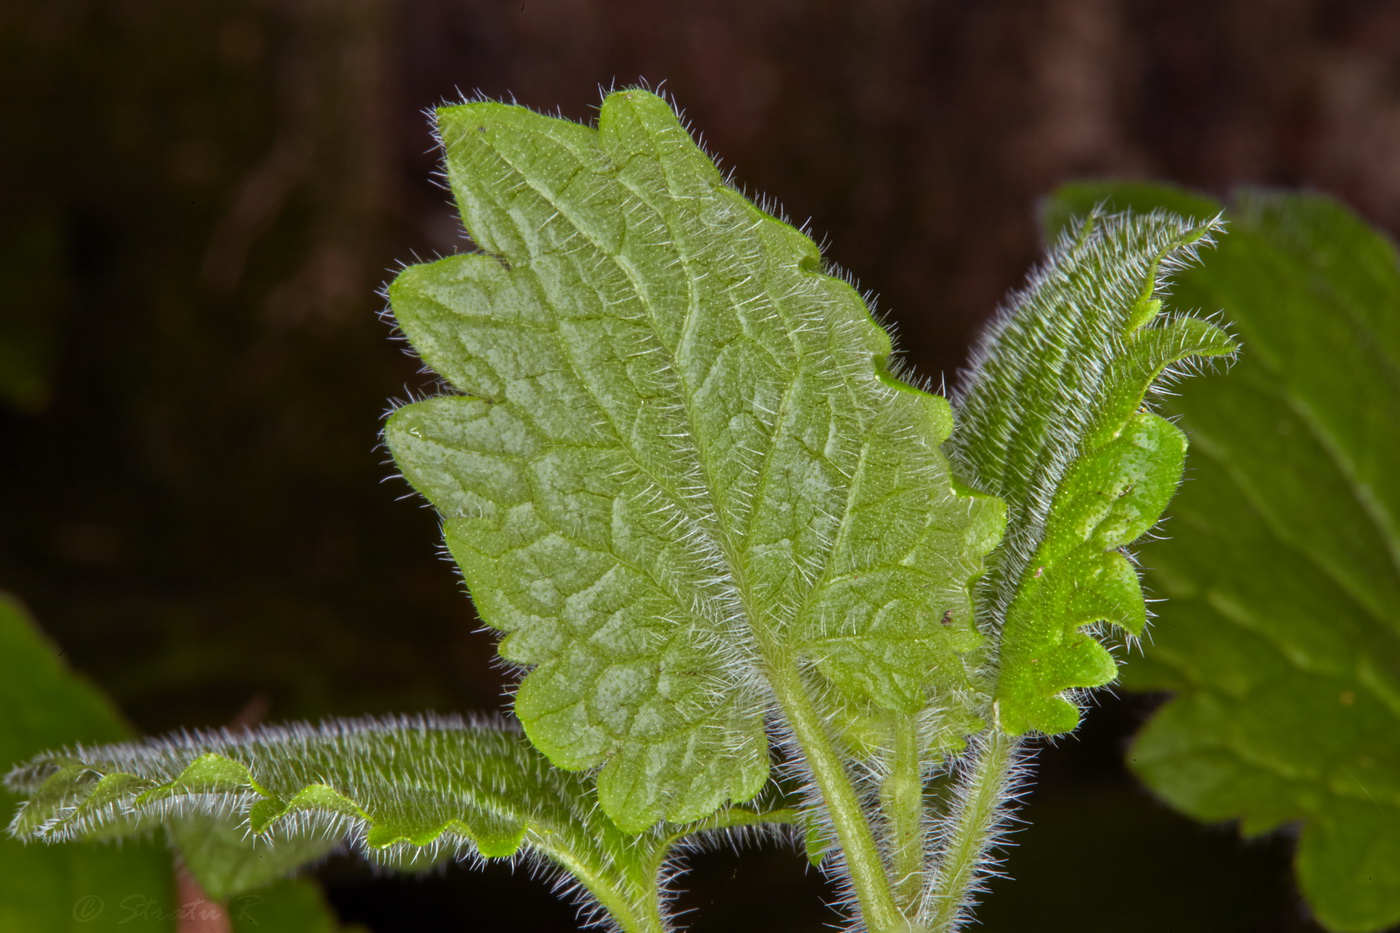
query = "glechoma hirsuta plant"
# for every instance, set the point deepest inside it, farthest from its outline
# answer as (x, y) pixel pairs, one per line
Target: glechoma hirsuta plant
(756, 581)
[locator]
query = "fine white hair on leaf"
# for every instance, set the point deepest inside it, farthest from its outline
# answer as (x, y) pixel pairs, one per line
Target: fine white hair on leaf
(1070, 361)
(403, 792)
(684, 393)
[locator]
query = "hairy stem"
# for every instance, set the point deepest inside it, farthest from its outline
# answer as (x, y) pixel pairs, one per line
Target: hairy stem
(638, 914)
(902, 799)
(971, 828)
(867, 870)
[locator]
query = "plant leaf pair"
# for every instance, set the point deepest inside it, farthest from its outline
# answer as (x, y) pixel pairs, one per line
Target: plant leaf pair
(679, 472)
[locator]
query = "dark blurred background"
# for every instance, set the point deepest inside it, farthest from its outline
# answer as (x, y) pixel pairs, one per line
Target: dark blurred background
(201, 199)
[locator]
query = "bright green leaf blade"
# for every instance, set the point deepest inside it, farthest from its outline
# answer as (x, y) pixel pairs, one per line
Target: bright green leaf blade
(679, 461)
(69, 889)
(1052, 420)
(1281, 633)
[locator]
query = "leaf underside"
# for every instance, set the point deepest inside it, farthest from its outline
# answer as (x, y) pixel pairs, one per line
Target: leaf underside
(1052, 419)
(405, 792)
(1281, 634)
(677, 461)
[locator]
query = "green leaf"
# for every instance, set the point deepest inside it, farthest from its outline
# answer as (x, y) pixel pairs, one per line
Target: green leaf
(1281, 634)
(1052, 419)
(46, 891)
(405, 792)
(679, 463)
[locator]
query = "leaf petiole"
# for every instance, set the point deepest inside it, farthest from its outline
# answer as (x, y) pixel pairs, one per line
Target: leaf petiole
(971, 828)
(862, 855)
(902, 799)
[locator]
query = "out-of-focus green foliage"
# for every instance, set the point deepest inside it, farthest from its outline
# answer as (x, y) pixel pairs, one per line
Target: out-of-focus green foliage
(1280, 637)
(46, 888)
(90, 887)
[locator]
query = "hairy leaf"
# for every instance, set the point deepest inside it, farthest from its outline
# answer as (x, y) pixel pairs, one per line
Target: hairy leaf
(1281, 634)
(405, 792)
(1052, 419)
(678, 463)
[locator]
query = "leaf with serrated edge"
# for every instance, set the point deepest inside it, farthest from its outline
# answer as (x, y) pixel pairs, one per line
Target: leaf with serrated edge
(678, 463)
(406, 792)
(1051, 418)
(1281, 634)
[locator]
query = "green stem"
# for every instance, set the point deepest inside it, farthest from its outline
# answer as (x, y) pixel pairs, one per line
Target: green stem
(971, 828)
(902, 799)
(867, 870)
(640, 913)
